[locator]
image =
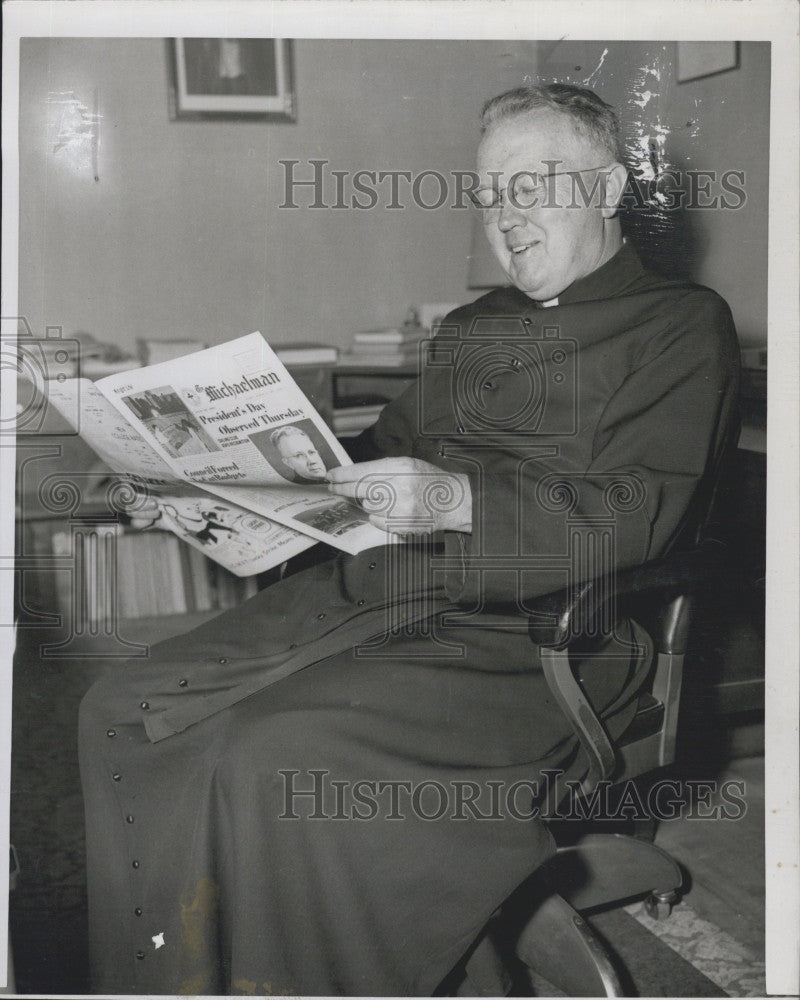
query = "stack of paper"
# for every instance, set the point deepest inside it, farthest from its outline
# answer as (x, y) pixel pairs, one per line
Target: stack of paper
(390, 348)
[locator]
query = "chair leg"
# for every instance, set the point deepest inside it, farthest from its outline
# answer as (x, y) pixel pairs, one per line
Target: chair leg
(658, 905)
(645, 829)
(485, 974)
(557, 944)
(537, 936)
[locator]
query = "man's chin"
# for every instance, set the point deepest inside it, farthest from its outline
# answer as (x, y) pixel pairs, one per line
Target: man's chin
(533, 289)
(532, 284)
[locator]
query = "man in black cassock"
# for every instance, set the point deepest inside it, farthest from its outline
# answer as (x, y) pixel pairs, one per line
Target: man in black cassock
(264, 795)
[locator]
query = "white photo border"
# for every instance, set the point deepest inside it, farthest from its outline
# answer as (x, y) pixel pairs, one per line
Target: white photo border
(761, 20)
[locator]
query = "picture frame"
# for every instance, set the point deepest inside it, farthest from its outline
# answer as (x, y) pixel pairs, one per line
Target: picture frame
(699, 59)
(233, 78)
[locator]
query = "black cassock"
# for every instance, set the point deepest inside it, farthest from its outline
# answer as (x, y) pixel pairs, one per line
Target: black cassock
(400, 692)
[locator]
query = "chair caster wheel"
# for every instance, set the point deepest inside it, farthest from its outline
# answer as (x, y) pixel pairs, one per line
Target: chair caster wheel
(658, 905)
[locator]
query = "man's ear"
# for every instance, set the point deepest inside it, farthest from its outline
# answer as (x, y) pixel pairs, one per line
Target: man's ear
(616, 181)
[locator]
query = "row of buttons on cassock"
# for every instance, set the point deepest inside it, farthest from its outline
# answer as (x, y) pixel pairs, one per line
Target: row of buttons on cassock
(144, 705)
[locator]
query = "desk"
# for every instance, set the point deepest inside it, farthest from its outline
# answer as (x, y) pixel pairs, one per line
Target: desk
(753, 409)
(360, 391)
(388, 381)
(350, 383)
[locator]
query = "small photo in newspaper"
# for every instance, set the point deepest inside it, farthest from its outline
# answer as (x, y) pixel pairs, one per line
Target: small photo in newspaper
(335, 518)
(170, 421)
(297, 451)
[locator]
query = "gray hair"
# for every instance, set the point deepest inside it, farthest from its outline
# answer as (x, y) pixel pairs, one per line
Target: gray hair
(281, 432)
(590, 116)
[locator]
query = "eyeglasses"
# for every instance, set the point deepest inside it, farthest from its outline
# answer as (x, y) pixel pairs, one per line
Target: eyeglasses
(527, 188)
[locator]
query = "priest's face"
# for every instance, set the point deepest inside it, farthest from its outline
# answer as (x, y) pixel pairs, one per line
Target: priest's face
(545, 234)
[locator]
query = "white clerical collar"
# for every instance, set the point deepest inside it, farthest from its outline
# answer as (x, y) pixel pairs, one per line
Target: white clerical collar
(549, 302)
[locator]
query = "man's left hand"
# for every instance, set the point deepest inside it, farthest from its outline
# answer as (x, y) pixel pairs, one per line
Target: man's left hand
(406, 496)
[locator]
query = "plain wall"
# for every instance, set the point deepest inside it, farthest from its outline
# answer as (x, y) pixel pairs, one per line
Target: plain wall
(183, 236)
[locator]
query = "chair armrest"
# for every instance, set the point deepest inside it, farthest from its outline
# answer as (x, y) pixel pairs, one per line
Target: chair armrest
(555, 620)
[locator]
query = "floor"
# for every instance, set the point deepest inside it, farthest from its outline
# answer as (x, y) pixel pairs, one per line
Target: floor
(725, 859)
(719, 924)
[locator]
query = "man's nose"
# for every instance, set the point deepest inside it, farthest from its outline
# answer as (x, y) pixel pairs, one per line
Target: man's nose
(510, 215)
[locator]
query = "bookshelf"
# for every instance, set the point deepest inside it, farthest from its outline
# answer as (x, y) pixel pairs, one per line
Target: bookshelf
(91, 585)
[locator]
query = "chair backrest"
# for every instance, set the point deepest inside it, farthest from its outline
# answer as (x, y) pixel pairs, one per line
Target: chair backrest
(650, 741)
(661, 596)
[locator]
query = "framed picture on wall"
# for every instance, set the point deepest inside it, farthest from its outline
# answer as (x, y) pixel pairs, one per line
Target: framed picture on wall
(242, 78)
(699, 59)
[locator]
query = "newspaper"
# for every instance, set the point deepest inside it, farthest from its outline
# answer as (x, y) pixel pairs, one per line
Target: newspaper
(233, 451)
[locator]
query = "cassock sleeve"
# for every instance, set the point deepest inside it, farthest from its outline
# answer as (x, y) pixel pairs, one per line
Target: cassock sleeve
(393, 435)
(539, 525)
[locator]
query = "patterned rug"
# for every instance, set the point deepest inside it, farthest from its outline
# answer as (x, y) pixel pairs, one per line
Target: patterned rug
(726, 962)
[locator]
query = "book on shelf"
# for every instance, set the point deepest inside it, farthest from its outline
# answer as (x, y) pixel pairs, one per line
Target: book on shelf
(141, 569)
(61, 543)
(348, 412)
(306, 353)
(353, 430)
(145, 575)
(395, 347)
(356, 416)
(231, 449)
(195, 573)
(388, 349)
(348, 424)
(154, 351)
(86, 589)
(400, 335)
(366, 359)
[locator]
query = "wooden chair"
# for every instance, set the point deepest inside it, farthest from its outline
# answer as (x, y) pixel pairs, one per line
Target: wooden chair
(553, 941)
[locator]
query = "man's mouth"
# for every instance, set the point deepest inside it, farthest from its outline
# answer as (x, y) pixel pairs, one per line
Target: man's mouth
(522, 247)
